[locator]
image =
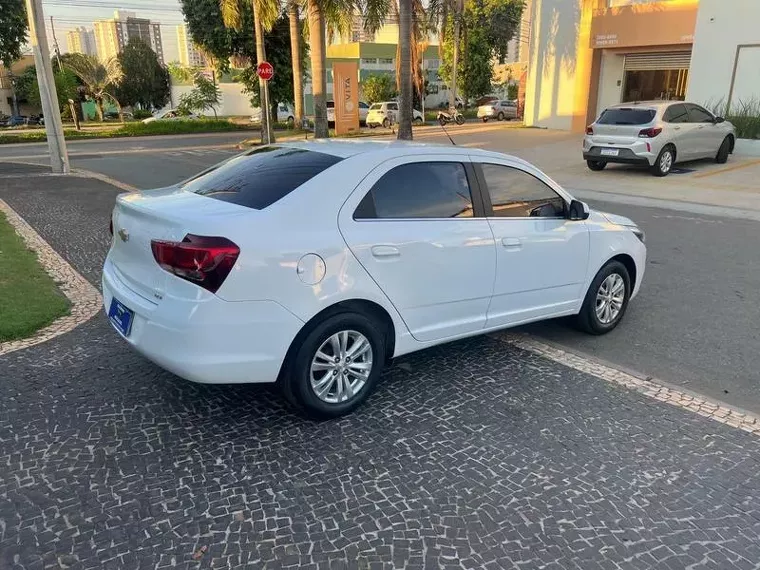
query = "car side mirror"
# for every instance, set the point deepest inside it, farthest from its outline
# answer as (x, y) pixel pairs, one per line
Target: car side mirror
(578, 210)
(720, 120)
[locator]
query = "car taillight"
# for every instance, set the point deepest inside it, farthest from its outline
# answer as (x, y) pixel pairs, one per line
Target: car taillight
(205, 261)
(110, 226)
(589, 130)
(649, 133)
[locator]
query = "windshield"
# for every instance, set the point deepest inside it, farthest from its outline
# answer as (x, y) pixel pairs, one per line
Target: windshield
(376, 106)
(627, 116)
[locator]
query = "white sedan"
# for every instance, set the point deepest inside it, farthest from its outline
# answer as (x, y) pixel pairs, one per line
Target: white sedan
(315, 263)
(169, 115)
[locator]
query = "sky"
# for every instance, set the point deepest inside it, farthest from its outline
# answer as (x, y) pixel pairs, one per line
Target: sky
(69, 14)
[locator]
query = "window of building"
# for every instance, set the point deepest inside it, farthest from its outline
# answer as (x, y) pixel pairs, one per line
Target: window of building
(516, 194)
(386, 60)
(369, 60)
(419, 190)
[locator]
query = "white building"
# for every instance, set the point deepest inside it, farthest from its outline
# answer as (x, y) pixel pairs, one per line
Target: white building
(588, 54)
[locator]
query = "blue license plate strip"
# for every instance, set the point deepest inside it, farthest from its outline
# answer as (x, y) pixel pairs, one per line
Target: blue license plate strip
(121, 317)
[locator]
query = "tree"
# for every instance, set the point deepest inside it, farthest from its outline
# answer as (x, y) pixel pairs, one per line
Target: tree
(447, 15)
(207, 29)
(405, 66)
(66, 86)
(281, 86)
(205, 95)
(295, 57)
(145, 81)
(265, 14)
(99, 79)
(13, 24)
(378, 87)
(487, 26)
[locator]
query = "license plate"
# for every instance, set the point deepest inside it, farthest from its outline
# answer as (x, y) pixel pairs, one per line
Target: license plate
(121, 317)
(610, 152)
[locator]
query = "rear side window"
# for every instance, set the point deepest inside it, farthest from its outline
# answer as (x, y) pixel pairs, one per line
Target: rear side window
(259, 178)
(626, 116)
(393, 106)
(419, 190)
(676, 114)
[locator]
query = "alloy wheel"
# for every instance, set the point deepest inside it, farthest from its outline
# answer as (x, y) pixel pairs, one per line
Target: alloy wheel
(610, 298)
(666, 161)
(341, 366)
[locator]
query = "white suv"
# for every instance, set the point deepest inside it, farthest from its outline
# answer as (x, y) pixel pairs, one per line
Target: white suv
(657, 134)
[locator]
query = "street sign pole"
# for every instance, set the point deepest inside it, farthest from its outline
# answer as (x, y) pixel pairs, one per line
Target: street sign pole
(265, 71)
(59, 158)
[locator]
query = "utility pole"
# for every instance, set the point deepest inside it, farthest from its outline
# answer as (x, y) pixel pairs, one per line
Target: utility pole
(59, 159)
(55, 45)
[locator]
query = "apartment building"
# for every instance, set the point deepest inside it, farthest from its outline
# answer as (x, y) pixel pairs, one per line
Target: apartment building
(112, 35)
(189, 54)
(81, 40)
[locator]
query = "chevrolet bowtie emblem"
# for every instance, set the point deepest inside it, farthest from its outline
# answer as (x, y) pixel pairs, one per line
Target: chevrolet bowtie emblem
(124, 234)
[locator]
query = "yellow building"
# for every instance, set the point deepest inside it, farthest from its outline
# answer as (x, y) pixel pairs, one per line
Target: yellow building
(189, 55)
(81, 40)
(112, 35)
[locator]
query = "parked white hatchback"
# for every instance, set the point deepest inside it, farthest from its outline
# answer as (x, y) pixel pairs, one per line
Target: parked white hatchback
(313, 264)
(657, 134)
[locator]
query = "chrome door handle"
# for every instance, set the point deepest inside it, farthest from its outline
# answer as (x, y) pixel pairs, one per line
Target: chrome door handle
(385, 251)
(676, 128)
(513, 243)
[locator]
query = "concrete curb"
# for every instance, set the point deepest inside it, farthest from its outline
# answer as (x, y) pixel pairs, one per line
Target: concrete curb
(85, 299)
(650, 387)
(747, 147)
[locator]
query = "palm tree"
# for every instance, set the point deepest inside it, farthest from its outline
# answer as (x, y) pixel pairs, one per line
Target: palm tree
(295, 56)
(404, 64)
(417, 41)
(98, 78)
(265, 14)
(439, 12)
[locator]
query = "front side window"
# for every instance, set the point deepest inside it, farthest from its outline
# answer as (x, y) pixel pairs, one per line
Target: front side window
(699, 115)
(376, 106)
(393, 106)
(676, 114)
(419, 190)
(516, 194)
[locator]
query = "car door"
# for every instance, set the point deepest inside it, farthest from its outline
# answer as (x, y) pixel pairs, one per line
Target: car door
(680, 131)
(392, 112)
(541, 256)
(510, 109)
(708, 134)
(414, 227)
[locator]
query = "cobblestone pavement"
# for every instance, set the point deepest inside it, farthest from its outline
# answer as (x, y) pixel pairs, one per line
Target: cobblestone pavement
(471, 455)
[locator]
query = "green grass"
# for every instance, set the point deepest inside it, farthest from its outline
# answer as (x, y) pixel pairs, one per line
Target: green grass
(29, 298)
(136, 129)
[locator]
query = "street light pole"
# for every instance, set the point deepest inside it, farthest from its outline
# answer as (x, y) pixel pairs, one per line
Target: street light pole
(59, 159)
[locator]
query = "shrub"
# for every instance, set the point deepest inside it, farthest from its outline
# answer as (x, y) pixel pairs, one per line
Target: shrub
(745, 116)
(140, 114)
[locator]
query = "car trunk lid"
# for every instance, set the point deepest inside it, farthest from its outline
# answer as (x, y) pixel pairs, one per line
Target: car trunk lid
(168, 214)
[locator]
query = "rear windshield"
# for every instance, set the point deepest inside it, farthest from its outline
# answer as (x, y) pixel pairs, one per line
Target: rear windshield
(626, 116)
(262, 176)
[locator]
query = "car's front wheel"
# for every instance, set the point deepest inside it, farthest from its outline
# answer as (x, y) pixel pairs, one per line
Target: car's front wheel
(336, 366)
(665, 160)
(501, 116)
(596, 165)
(606, 299)
(386, 123)
(723, 151)
(419, 121)
(485, 119)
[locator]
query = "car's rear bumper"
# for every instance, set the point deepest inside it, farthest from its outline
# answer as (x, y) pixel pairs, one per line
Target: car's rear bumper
(206, 339)
(639, 151)
(625, 156)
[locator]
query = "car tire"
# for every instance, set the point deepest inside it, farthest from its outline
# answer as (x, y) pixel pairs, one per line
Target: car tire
(723, 151)
(605, 291)
(485, 119)
(386, 123)
(501, 116)
(306, 371)
(663, 165)
(371, 125)
(596, 165)
(291, 121)
(419, 121)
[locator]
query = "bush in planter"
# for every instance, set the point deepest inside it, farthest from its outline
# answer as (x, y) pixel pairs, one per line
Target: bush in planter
(140, 114)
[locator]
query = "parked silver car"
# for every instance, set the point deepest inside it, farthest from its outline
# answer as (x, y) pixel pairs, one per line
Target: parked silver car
(499, 109)
(657, 134)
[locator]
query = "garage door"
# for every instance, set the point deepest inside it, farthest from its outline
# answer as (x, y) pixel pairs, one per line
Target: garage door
(661, 60)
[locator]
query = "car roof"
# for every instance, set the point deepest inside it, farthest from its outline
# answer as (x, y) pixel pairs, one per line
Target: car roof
(346, 148)
(656, 104)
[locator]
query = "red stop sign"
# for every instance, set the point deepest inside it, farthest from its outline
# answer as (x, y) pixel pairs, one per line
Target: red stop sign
(265, 70)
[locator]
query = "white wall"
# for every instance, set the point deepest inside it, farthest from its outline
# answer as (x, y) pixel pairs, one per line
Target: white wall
(610, 80)
(233, 100)
(550, 90)
(721, 26)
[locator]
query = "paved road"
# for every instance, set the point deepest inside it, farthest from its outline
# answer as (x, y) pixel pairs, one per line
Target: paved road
(474, 455)
(695, 323)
